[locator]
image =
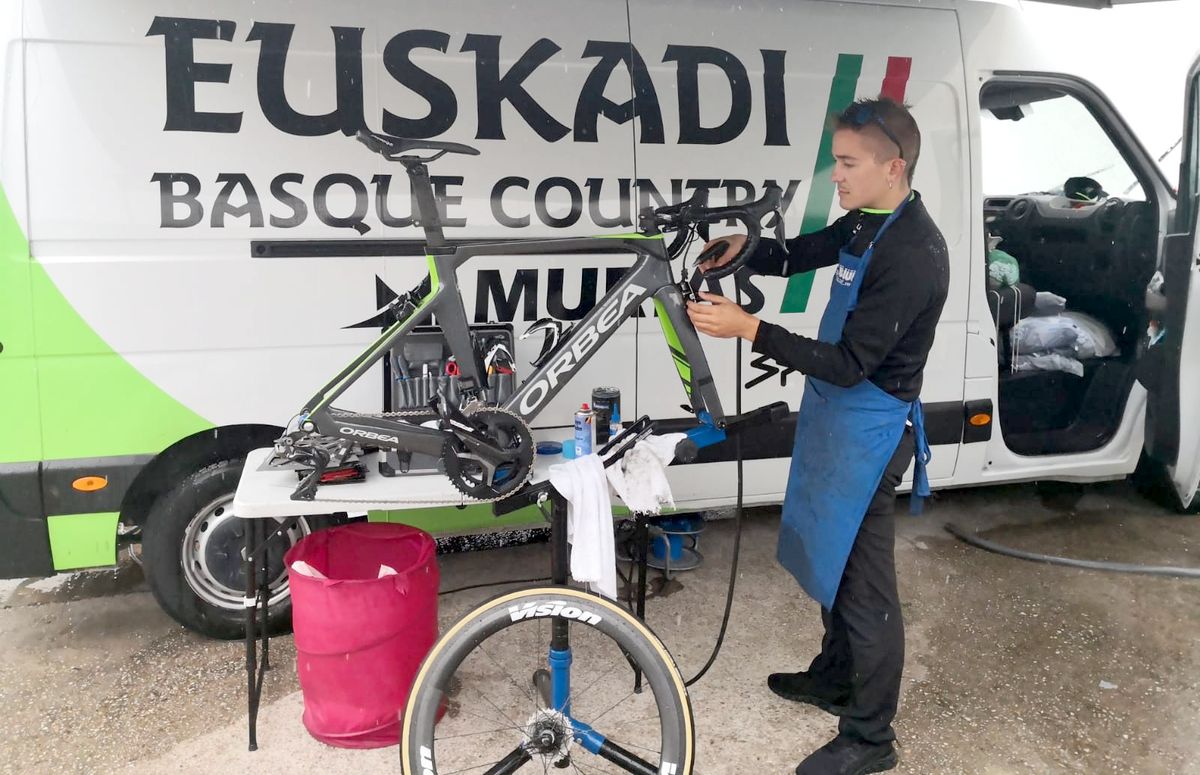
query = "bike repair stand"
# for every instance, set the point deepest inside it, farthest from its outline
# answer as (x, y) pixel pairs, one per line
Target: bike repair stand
(537, 493)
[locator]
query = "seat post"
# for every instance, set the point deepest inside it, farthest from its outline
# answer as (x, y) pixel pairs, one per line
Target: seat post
(429, 218)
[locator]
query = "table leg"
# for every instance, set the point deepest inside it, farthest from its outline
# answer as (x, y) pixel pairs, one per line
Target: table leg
(251, 604)
(264, 591)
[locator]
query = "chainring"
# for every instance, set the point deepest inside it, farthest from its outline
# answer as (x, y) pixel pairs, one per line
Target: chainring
(475, 478)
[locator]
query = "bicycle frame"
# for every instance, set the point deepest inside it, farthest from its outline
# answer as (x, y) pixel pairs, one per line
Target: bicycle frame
(648, 278)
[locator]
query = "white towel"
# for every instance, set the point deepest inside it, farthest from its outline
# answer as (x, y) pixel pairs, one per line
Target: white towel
(640, 478)
(589, 522)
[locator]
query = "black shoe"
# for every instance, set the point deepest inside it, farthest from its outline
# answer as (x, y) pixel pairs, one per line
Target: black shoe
(848, 756)
(800, 687)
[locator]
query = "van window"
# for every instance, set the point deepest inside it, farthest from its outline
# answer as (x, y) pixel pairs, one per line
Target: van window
(1035, 148)
(1189, 185)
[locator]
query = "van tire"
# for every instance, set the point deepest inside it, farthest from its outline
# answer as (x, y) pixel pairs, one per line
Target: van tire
(207, 597)
(1153, 482)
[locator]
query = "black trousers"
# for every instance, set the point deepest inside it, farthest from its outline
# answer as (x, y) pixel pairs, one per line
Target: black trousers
(862, 653)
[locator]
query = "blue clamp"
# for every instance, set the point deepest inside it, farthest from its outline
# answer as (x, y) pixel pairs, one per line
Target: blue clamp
(706, 433)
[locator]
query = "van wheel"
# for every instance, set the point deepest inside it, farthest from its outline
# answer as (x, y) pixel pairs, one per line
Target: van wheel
(1154, 483)
(192, 555)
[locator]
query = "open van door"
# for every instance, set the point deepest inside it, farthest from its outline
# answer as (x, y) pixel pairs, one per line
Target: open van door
(1095, 3)
(1170, 369)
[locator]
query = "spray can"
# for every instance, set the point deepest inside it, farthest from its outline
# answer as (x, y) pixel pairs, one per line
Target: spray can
(604, 402)
(584, 429)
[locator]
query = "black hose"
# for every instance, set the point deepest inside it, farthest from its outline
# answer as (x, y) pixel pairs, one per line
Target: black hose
(493, 584)
(1115, 567)
(737, 533)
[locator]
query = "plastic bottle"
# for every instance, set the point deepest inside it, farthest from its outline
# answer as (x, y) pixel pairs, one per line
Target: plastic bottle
(584, 431)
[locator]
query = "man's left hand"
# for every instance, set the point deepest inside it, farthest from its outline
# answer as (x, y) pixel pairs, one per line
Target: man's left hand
(722, 318)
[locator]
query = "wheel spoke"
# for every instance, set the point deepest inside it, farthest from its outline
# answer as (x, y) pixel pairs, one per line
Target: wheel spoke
(504, 728)
(610, 708)
(488, 700)
(575, 695)
(504, 765)
(508, 675)
(512, 762)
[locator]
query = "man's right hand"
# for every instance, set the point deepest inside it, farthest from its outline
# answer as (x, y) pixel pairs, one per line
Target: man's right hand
(735, 244)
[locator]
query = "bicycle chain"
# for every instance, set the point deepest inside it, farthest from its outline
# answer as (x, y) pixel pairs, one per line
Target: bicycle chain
(462, 498)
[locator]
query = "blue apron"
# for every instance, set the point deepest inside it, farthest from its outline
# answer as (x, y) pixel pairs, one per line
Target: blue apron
(845, 438)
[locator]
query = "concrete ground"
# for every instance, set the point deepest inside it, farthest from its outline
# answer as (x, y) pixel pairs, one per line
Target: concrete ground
(1013, 667)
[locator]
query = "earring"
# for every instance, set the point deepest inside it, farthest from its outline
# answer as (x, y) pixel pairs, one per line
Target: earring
(891, 184)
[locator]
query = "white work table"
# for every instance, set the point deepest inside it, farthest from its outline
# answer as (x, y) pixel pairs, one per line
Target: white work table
(268, 493)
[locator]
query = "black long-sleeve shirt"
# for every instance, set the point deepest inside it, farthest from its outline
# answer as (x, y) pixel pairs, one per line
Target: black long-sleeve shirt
(887, 337)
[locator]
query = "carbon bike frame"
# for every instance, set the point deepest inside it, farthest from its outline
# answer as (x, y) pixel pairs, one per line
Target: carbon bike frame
(648, 278)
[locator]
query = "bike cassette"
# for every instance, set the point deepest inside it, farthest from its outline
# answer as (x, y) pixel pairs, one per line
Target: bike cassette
(549, 736)
(491, 474)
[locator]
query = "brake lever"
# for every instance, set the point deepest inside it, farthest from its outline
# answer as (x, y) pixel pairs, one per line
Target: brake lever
(777, 224)
(716, 250)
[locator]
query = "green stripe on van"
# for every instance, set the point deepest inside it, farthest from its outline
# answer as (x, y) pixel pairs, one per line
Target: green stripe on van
(820, 193)
(20, 438)
(89, 400)
(83, 540)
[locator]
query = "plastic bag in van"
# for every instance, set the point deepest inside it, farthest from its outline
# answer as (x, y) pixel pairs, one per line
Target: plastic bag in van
(1039, 335)
(1003, 268)
(1046, 304)
(1048, 362)
(1095, 339)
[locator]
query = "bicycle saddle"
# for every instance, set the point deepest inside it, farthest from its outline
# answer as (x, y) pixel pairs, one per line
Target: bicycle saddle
(392, 147)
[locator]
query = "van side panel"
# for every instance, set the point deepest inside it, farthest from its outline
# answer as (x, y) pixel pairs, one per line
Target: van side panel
(181, 131)
(764, 89)
(20, 439)
(23, 536)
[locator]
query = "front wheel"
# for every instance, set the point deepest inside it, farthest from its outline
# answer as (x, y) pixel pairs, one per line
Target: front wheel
(192, 555)
(1153, 481)
(504, 698)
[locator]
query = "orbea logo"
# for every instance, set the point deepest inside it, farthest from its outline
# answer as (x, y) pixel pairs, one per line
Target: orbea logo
(575, 351)
(369, 435)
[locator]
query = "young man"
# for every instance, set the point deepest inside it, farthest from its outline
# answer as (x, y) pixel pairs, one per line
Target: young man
(859, 423)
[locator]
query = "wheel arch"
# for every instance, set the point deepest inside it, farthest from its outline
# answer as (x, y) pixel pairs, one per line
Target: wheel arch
(185, 457)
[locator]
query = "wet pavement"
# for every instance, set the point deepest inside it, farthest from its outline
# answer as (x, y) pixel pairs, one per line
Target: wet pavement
(1013, 667)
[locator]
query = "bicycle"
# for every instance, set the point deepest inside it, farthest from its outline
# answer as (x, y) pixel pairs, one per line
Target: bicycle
(487, 451)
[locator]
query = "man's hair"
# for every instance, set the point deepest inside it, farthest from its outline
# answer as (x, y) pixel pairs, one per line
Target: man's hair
(887, 121)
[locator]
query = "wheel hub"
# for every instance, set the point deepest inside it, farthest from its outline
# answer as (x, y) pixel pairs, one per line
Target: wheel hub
(211, 554)
(550, 736)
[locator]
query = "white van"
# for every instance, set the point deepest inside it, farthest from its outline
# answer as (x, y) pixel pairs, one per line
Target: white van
(145, 146)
